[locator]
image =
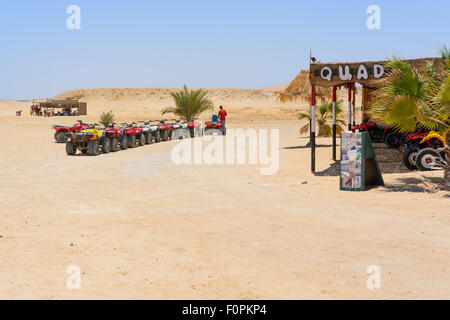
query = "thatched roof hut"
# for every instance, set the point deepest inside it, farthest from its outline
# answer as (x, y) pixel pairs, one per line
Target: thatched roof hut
(300, 88)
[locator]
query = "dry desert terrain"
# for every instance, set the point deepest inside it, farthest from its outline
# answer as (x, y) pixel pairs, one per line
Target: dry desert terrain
(141, 227)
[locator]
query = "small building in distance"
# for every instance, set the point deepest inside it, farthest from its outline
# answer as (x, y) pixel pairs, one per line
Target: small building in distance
(63, 107)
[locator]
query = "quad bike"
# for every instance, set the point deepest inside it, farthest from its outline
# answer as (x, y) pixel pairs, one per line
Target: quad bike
(165, 130)
(118, 139)
(376, 131)
(134, 135)
(61, 134)
(195, 128)
(214, 126)
(179, 130)
(417, 142)
(150, 131)
(155, 131)
(140, 137)
(88, 141)
(382, 133)
(429, 158)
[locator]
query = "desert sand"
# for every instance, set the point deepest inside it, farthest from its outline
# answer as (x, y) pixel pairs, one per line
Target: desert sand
(139, 226)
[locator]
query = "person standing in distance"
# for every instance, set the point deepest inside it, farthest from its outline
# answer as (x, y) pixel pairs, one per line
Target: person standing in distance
(222, 117)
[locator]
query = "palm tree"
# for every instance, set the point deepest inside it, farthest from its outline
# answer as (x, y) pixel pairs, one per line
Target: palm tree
(324, 114)
(409, 98)
(106, 118)
(189, 104)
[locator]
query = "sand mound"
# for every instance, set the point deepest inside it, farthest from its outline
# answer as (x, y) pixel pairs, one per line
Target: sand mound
(152, 101)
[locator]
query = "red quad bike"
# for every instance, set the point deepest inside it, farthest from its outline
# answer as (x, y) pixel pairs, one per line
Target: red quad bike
(165, 130)
(134, 135)
(381, 133)
(61, 134)
(118, 139)
(140, 136)
(214, 126)
(195, 128)
(376, 131)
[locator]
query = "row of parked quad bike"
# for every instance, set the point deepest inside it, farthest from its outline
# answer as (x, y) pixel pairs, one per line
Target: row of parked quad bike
(90, 139)
(424, 149)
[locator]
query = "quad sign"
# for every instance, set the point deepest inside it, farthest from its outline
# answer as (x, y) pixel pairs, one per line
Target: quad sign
(346, 73)
(369, 73)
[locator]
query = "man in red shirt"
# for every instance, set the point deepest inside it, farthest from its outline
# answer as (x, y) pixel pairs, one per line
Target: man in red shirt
(222, 117)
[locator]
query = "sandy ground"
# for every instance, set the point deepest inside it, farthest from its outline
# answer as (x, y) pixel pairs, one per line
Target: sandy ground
(140, 226)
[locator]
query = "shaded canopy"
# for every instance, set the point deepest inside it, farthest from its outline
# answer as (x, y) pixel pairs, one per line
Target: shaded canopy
(300, 88)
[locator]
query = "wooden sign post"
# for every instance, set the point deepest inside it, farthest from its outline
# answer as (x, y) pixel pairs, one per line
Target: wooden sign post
(359, 165)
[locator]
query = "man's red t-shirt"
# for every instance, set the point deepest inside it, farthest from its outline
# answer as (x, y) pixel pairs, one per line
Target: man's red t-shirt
(222, 114)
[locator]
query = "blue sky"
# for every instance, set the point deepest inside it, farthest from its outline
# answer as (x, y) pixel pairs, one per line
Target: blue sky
(233, 43)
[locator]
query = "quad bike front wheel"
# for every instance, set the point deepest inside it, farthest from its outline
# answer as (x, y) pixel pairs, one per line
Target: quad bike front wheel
(93, 148)
(132, 141)
(114, 145)
(409, 158)
(427, 158)
(61, 137)
(148, 138)
(71, 149)
(157, 136)
(124, 143)
(392, 140)
(141, 140)
(165, 135)
(106, 145)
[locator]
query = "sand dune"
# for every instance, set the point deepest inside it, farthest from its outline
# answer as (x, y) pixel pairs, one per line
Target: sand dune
(150, 101)
(144, 103)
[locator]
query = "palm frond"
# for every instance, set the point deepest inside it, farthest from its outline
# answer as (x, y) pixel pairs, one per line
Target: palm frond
(409, 98)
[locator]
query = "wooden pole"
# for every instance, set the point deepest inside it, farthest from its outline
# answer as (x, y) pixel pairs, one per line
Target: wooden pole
(349, 109)
(364, 99)
(354, 104)
(334, 122)
(313, 128)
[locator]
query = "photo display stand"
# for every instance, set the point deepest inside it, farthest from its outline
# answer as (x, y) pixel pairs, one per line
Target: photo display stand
(359, 165)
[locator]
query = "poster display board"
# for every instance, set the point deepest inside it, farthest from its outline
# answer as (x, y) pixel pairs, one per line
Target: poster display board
(359, 166)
